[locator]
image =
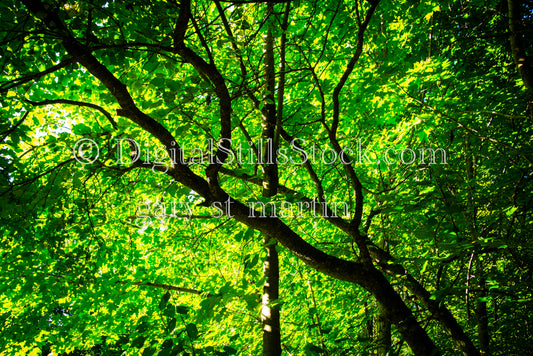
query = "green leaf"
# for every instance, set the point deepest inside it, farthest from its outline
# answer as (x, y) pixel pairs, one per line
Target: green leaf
(192, 331)
(181, 309)
(149, 352)
(170, 311)
(171, 325)
(164, 300)
(230, 350)
(166, 348)
(158, 82)
(313, 350)
(81, 129)
(138, 342)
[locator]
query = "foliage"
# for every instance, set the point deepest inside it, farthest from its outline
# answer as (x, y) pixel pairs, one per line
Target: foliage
(128, 256)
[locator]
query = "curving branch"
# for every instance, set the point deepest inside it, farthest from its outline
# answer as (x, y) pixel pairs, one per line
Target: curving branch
(13, 127)
(35, 178)
(221, 90)
(332, 133)
(234, 45)
(4, 87)
(351, 64)
(77, 103)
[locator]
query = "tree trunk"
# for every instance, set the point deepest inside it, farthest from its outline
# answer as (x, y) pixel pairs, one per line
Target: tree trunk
(270, 314)
(517, 44)
(395, 310)
(369, 327)
(482, 317)
(383, 333)
(483, 326)
(522, 61)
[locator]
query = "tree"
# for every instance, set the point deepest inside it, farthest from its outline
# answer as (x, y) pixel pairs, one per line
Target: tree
(154, 152)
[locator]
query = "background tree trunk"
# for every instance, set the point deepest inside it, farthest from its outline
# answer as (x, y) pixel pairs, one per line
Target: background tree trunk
(482, 317)
(383, 333)
(270, 313)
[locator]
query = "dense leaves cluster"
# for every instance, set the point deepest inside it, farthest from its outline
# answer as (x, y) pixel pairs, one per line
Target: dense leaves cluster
(130, 254)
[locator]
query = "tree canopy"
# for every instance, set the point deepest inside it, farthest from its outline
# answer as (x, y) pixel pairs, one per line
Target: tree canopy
(304, 177)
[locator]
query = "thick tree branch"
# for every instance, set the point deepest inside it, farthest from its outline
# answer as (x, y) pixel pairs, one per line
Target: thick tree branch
(438, 310)
(321, 207)
(369, 218)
